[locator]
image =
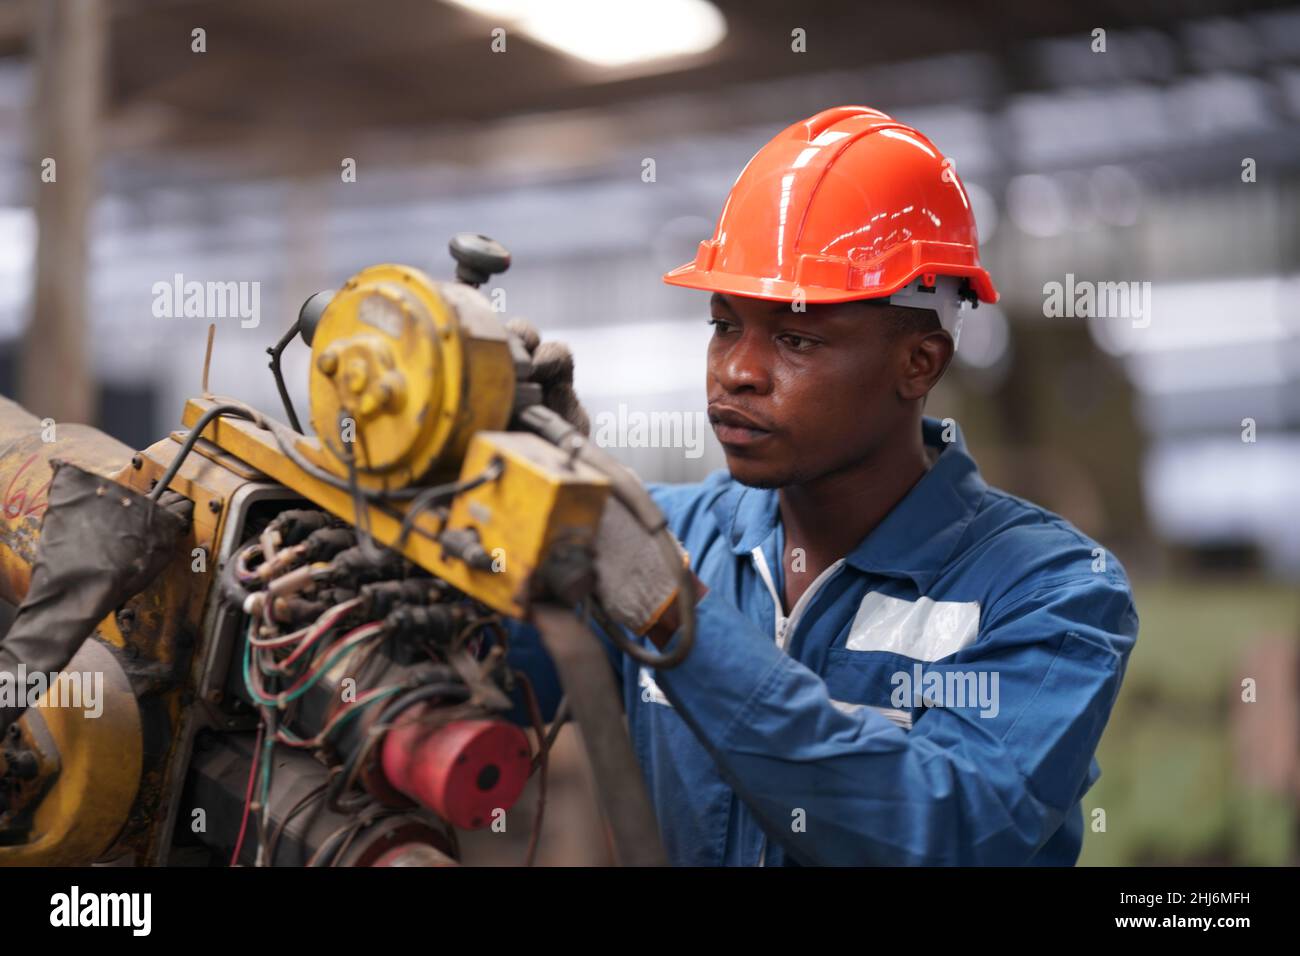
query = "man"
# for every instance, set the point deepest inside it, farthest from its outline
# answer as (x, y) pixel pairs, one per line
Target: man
(894, 662)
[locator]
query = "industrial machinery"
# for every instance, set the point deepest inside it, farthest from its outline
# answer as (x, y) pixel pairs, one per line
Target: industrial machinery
(311, 666)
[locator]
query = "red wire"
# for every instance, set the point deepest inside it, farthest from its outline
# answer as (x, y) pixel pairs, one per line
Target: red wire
(322, 627)
(354, 636)
(248, 797)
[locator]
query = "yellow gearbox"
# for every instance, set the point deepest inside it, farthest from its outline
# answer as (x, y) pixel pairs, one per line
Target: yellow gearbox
(395, 359)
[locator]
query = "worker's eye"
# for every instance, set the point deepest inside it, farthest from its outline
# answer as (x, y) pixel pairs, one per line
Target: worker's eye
(800, 343)
(721, 326)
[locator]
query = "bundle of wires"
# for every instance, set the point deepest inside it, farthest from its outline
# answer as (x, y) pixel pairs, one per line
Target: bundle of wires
(281, 667)
(278, 669)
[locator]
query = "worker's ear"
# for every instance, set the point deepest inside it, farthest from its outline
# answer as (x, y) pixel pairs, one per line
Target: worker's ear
(926, 358)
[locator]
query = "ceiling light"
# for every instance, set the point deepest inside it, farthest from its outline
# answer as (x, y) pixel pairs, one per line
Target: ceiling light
(611, 34)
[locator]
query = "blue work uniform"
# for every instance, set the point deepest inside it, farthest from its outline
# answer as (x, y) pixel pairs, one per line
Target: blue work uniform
(934, 697)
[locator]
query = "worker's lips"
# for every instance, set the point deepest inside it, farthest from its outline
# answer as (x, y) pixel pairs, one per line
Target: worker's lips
(736, 429)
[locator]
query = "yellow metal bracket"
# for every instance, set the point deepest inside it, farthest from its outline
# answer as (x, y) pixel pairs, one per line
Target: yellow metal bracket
(540, 497)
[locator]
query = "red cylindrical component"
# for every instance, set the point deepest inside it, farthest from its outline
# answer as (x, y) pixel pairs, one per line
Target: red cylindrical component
(463, 770)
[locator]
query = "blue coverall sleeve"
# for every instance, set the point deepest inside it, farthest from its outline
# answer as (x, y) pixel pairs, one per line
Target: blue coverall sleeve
(852, 788)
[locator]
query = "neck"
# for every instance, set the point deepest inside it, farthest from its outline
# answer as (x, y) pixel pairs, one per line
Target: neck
(830, 515)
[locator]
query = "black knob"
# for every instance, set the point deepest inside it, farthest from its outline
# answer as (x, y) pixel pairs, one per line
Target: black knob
(25, 765)
(478, 258)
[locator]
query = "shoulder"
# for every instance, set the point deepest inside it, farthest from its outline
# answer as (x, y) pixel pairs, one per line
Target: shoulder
(1029, 556)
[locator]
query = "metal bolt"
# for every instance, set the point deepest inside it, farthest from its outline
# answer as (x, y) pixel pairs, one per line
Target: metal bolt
(26, 766)
(137, 462)
(214, 506)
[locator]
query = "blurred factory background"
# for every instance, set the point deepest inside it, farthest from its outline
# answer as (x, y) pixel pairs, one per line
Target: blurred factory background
(598, 146)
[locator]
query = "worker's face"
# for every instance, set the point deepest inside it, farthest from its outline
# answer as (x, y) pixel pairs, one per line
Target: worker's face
(795, 395)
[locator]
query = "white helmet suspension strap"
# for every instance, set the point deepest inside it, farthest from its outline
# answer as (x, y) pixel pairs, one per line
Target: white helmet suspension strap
(947, 297)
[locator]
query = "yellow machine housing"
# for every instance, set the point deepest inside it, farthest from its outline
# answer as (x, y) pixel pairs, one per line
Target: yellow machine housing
(541, 497)
(396, 358)
(423, 371)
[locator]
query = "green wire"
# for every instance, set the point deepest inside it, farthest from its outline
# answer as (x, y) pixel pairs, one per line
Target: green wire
(294, 695)
(248, 672)
(389, 692)
(268, 749)
(349, 715)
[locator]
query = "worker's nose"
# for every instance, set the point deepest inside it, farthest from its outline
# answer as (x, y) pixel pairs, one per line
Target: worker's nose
(742, 364)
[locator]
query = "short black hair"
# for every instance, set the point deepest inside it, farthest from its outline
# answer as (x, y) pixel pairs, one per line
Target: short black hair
(900, 321)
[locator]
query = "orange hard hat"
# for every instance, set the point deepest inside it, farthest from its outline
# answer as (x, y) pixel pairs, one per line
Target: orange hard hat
(847, 204)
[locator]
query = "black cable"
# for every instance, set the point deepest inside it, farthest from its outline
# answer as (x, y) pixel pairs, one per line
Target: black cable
(432, 496)
(541, 764)
(287, 448)
(213, 413)
(231, 588)
(614, 631)
(328, 855)
(274, 352)
(422, 693)
(557, 724)
(361, 514)
(329, 841)
(342, 852)
(282, 824)
(333, 480)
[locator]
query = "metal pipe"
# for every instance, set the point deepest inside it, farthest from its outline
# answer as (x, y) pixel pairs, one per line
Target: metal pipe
(585, 672)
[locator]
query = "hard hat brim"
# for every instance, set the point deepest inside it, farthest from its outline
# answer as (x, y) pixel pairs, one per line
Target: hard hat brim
(688, 276)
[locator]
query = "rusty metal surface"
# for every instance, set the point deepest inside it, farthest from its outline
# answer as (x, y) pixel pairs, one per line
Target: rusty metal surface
(155, 637)
(91, 768)
(161, 636)
(100, 544)
(26, 448)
